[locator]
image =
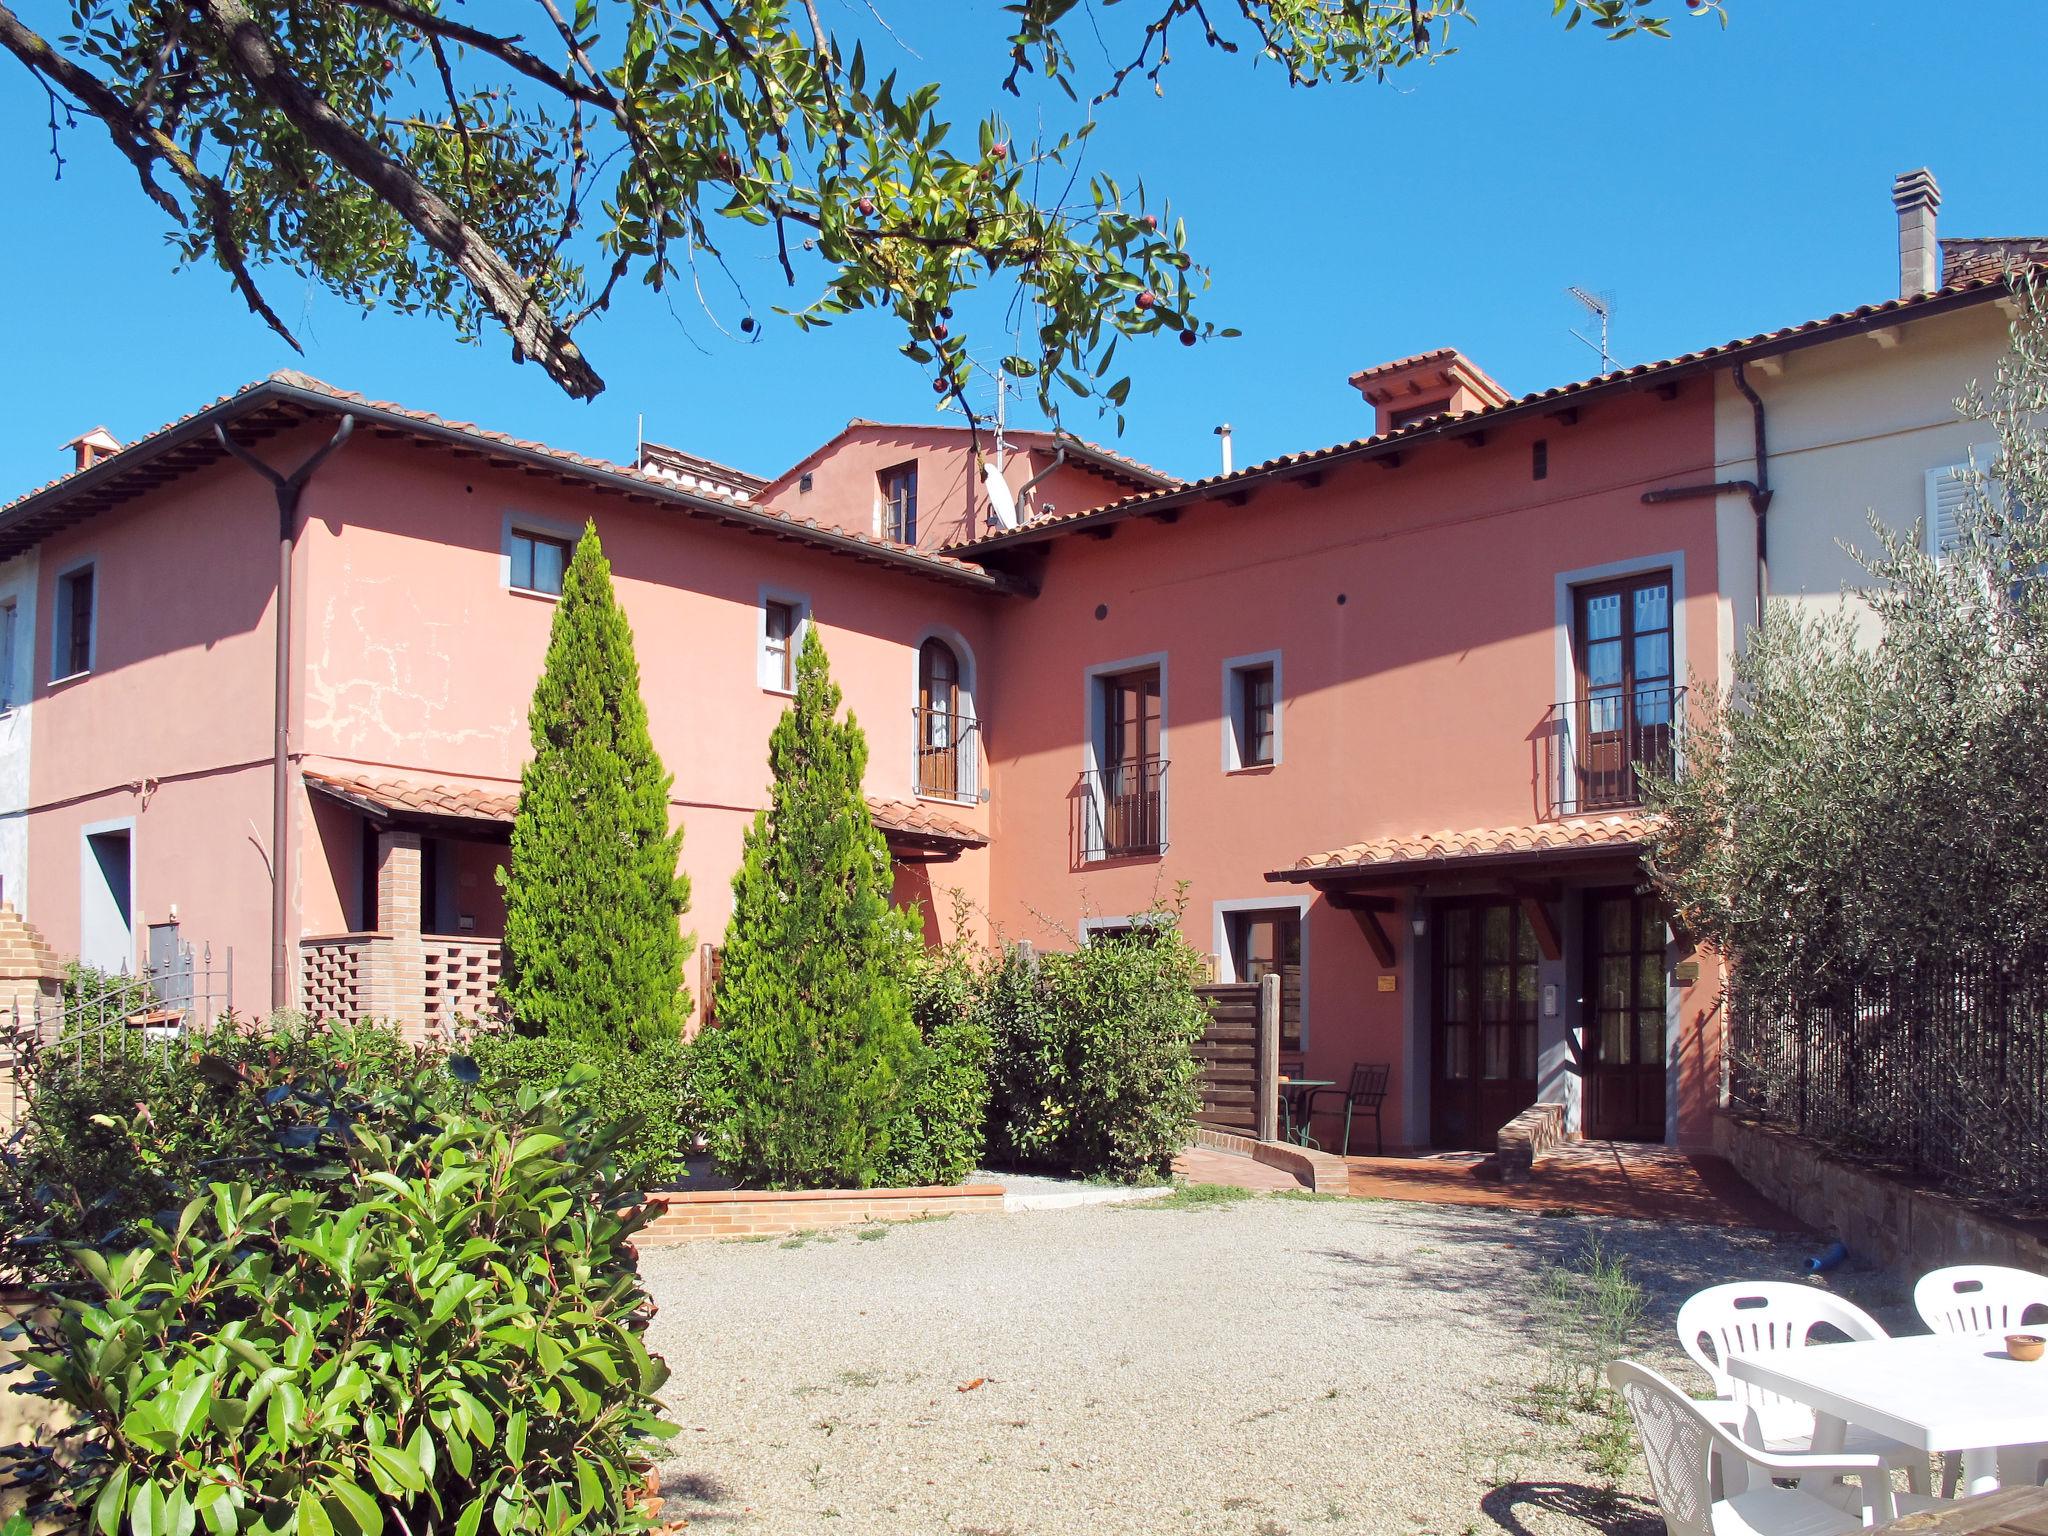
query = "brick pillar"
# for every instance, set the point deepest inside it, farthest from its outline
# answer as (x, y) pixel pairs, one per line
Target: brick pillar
(31, 989)
(395, 988)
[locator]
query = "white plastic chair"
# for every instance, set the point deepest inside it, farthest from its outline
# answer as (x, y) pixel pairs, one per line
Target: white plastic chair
(1980, 1298)
(1754, 1318)
(1982, 1301)
(1688, 1443)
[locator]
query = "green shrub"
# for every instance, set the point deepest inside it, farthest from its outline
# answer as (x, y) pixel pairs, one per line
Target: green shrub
(941, 1124)
(89, 990)
(111, 1137)
(443, 1330)
(645, 1093)
(814, 1041)
(1094, 1069)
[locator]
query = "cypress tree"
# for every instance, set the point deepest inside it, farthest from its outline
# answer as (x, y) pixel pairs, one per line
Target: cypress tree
(814, 1020)
(593, 948)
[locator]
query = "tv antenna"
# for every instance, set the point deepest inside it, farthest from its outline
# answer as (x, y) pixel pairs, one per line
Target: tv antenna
(1600, 311)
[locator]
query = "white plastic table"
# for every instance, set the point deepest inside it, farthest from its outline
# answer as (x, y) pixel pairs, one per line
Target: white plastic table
(1936, 1392)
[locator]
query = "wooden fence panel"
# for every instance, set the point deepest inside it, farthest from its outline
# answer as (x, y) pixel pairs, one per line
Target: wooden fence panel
(1228, 1052)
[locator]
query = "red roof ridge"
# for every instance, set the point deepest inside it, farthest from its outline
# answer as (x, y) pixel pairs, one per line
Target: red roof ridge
(1617, 829)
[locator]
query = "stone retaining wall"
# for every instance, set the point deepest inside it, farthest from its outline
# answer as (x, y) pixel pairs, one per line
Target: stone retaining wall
(1323, 1172)
(688, 1215)
(1882, 1220)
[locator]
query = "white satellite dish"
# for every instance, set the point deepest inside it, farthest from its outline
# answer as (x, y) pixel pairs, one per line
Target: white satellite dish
(1000, 501)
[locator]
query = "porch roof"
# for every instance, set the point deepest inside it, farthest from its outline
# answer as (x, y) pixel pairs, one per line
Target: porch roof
(915, 833)
(1399, 859)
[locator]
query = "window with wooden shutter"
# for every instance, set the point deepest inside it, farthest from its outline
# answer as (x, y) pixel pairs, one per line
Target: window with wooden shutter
(1950, 495)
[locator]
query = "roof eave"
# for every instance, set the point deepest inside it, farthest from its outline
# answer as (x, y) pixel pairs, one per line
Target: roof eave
(1401, 870)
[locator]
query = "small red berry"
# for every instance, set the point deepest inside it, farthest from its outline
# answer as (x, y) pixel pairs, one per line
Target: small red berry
(1149, 222)
(746, 322)
(941, 386)
(1187, 338)
(1146, 300)
(998, 151)
(939, 331)
(867, 206)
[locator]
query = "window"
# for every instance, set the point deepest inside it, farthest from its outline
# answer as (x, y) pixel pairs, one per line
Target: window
(899, 503)
(71, 652)
(944, 743)
(782, 621)
(1251, 712)
(1268, 943)
(1539, 459)
(10, 614)
(1953, 490)
(1626, 705)
(538, 561)
(1126, 798)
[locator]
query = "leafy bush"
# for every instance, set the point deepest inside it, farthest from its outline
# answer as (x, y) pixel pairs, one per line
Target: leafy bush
(87, 988)
(645, 1093)
(443, 1328)
(814, 1038)
(1094, 1069)
(111, 1137)
(941, 1123)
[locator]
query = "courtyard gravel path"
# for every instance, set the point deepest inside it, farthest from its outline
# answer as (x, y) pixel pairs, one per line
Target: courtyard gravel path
(1273, 1368)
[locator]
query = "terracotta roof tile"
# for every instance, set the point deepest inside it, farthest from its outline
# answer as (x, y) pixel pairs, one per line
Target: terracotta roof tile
(408, 797)
(656, 482)
(1472, 420)
(1618, 831)
(915, 819)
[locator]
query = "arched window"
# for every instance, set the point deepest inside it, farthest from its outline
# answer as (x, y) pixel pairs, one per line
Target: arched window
(939, 721)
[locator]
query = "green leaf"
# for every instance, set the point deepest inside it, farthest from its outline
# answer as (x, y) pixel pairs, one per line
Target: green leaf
(360, 1507)
(108, 1508)
(313, 1519)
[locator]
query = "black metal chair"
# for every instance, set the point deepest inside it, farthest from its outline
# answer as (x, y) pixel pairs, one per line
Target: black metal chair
(1367, 1092)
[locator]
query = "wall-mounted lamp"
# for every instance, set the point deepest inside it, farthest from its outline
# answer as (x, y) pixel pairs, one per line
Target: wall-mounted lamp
(1418, 925)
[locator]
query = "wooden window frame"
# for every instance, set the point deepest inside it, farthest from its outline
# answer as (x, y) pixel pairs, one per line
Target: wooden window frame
(1237, 674)
(66, 639)
(898, 512)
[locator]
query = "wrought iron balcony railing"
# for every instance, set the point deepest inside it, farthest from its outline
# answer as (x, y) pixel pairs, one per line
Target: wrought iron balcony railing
(1123, 810)
(1603, 745)
(948, 754)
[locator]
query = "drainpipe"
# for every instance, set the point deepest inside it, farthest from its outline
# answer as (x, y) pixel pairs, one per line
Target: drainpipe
(287, 489)
(1758, 491)
(1059, 457)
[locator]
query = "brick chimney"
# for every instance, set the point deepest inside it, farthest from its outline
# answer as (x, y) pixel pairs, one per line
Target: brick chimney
(1916, 196)
(88, 448)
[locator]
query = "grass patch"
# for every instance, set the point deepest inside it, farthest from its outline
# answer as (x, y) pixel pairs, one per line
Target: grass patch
(1304, 1195)
(1193, 1197)
(873, 1234)
(1592, 1312)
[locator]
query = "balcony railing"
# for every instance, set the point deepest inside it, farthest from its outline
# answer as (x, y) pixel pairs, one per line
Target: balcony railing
(1601, 747)
(948, 754)
(1123, 810)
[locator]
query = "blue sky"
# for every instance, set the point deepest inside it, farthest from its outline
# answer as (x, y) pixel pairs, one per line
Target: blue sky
(1719, 184)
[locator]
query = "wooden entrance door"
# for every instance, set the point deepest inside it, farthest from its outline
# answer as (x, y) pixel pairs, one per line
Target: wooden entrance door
(1625, 687)
(1483, 1050)
(1130, 763)
(1625, 1016)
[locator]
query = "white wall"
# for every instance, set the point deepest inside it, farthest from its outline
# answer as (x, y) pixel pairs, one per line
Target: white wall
(17, 585)
(1854, 427)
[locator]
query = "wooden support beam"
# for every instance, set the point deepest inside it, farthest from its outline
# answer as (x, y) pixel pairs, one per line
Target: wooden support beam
(1473, 440)
(1308, 478)
(1388, 461)
(1237, 498)
(1105, 531)
(1548, 940)
(1375, 936)
(1567, 417)
(1667, 391)
(1165, 515)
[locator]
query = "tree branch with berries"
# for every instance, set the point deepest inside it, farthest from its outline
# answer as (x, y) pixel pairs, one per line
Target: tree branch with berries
(511, 167)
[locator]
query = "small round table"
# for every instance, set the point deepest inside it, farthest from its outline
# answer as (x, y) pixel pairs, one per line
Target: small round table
(1295, 1093)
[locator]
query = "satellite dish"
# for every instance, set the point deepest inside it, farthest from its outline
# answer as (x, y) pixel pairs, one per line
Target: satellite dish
(1001, 503)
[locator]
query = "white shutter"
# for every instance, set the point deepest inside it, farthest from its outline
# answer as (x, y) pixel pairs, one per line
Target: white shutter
(1948, 492)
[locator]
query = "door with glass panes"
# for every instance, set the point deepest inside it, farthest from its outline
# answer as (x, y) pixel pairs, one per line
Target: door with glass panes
(1483, 1021)
(1625, 985)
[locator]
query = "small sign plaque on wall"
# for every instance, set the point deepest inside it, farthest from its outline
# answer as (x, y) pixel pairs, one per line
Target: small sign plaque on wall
(1388, 983)
(1686, 972)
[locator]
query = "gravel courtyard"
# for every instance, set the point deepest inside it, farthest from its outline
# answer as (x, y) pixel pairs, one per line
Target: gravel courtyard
(1275, 1367)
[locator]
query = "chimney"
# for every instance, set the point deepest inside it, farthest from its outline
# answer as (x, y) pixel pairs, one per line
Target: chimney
(1223, 432)
(1916, 196)
(88, 448)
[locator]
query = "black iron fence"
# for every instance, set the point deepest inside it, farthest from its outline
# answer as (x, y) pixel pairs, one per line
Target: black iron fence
(1601, 746)
(1939, 1071)
(1121, 810)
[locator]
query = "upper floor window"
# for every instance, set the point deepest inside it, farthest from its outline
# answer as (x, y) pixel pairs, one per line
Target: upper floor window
(1251, 713)
(538, 561)
(1952, 491)
(782, 622)
(946, 756)
(1626, 709)
(71, 652)
(1124, 802)
(10, 616)
(899, 503)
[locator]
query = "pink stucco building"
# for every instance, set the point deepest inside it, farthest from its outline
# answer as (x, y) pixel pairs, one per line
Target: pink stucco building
(1371, 712)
